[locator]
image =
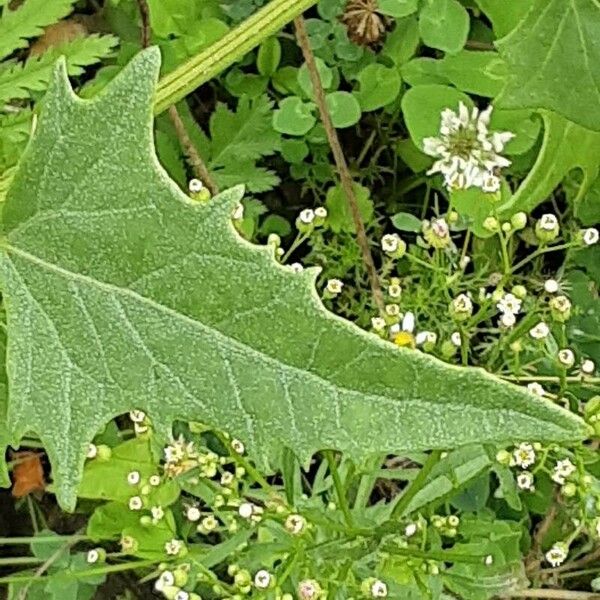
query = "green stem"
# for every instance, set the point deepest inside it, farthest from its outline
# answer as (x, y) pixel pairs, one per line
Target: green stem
(339, 488)
(41, 539)
(230, 48)
(416, 484)
(439, 555)
(539, 252)
(20, 560)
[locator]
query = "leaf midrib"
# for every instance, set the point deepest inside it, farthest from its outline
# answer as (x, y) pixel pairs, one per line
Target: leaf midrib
(277, 364)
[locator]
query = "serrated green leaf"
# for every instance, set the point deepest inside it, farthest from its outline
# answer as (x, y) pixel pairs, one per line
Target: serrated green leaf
(123, 293)
(553, 60)
(505, 16)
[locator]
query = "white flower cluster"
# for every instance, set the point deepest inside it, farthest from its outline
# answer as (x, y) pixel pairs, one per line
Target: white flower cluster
(510, 306)
(467, 152)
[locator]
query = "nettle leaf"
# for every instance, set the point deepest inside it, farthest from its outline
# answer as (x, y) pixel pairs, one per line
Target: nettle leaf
(123, 293)
(542, 74)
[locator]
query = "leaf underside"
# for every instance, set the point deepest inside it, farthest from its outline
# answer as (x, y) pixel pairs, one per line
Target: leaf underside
(122, 293)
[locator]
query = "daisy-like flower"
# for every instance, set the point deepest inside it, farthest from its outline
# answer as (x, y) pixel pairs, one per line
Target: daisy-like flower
(563, 469)
(535, 388)
(590, 236)
(507, 320)
(524, 455)
(402, 333)
(468, 153)
(540, 331)
(509, 303)
(557, 554)
(525, 481)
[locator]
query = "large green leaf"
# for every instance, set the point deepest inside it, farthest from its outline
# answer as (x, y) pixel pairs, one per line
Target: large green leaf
(123, 293)
(566, 146)
(553, 61)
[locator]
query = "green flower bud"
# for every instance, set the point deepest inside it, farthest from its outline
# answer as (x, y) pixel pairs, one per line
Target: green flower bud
(503, 457)
(393, 245)
(448, 349)
(437, 233)
(519, 221)
(242, 578)
(560, 308)
(519, 291)
(461, 308)
(547, 228)
(569, 489)
(104, 452)
(506, 227)
(181, 575)
(491, 224)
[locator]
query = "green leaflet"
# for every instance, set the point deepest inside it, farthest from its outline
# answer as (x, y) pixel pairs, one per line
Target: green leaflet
(566, 146)
(123, 293)
(553, 59)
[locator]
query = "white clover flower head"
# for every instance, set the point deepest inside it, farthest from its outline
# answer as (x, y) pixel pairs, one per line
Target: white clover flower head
(426, 337)
(307, 216)
(535, 388)
(334, 286)
(92, 451)
(557, 554)
(193, 514)
(566, 357)
(137, 416)
(309, 589)
(590, 236)
(135, 503)
(411, 529)
(551, 286)
(390, 242)
(525, 481)
(182, 595)
(246, 510)
(507, 320)
(157, 513)
(378, 324)
(237, 446)
(540, 331)
(92, 556)
(379, 589)
(467, 153)
(238, 212)
(321, 212)
(456, 339)
(262, 579)
(173, 547)
(195, 186)
(524, 455)
(548, 222)
(588, 367)
(563, 469)
(165, 579)
(295, 524)
(133, 477)
(154, 480)
(509, 303)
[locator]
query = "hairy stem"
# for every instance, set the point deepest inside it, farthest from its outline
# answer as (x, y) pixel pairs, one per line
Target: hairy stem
(340, 161)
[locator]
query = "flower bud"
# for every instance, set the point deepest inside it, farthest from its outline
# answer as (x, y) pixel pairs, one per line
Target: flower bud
(519, 291)
(436, 233)
(491, 224)
(461, 308)
(103, 452)
(547, 228)
(519, 220)
(560, 308)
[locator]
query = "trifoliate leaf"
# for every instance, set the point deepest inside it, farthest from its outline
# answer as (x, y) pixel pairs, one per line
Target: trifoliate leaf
(543, 74)
(122, 293)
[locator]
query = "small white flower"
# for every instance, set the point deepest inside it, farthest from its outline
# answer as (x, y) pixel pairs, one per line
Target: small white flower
(557, 554)
(464, 262)
(307, 216)
(154, 480)
(395, 290)
(246, 510)
(488, 560)
(321, 212)
(393, 310)
(508, 320)
(137, 416)
(135, 503)
(551, 286)
(195, 186)
(590, 236)
(297, 267)
(423, 337)
(92, 451)
(309, 589)
(295, 524)
(193, 514)
(334, 286)
(173, 547)
(524, 455)
(548, 222)
(540, 331)
(157, 513)
(509, 303)
(238, 213)
(588, 367)
(490, 183)
(166, 579)
(238, 446)
(390, 242)
(140, 428)
(525, 481)
(208, 524)
(182, 595)
(535, 388)
(262, 579)
(456, 339)
(227, 478)
(566, 357)
(378, 323)
(379, 589)
(133, 477)
(563, 469)
(411, 529)
(92, 556)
